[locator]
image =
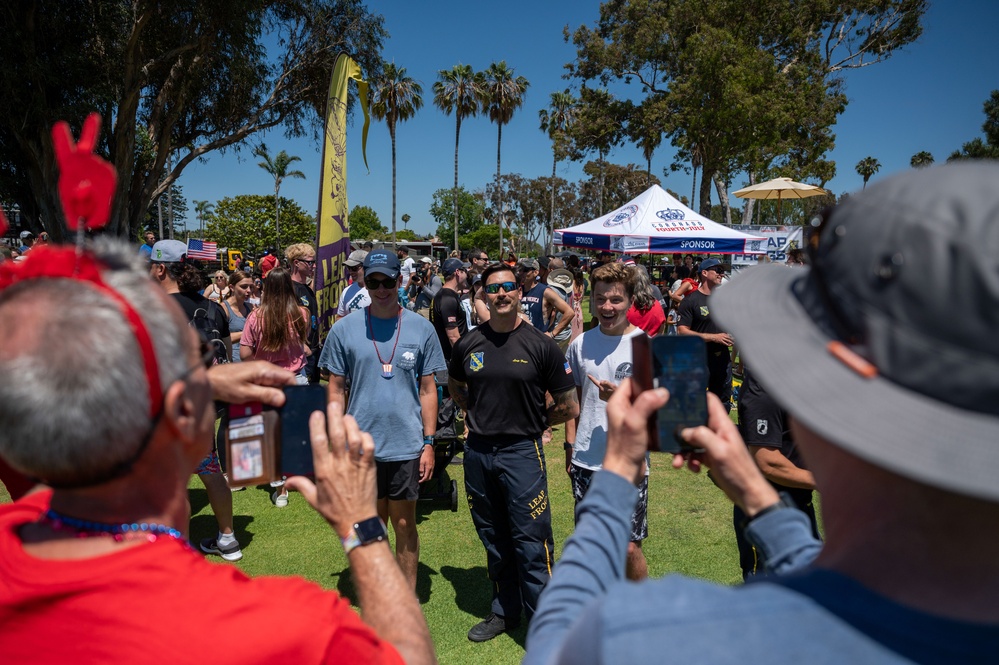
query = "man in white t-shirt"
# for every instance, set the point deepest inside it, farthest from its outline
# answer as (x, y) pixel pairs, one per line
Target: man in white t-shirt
(355, 296)
(600, 359)
(406, 272)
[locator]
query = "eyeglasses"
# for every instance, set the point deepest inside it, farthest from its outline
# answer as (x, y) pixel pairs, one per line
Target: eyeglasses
(375, 283)
(493, 289)
(354, 268)
(481, 258)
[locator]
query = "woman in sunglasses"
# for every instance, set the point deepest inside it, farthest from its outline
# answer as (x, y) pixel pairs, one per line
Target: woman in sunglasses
(219, 288)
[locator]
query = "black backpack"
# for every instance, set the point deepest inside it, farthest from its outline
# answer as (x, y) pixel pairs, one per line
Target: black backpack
(206, 323)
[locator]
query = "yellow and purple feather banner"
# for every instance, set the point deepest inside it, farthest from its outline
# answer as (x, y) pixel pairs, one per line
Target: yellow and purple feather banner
(332, 236)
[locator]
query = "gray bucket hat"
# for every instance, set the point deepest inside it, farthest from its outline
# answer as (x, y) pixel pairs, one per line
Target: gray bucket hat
(885, 346)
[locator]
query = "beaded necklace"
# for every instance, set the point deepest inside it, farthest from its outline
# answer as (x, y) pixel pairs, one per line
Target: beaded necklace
(120, 532)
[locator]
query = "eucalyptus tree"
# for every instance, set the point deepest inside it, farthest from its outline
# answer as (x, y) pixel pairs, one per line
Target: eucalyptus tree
(278, 168)
(395, 98)
(171, 80)
(462, 91)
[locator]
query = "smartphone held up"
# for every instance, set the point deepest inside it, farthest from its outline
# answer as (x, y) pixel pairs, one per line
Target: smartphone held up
(678, 364)
(266, 444)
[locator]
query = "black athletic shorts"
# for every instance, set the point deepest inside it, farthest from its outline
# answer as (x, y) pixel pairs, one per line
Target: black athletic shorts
(399, 481)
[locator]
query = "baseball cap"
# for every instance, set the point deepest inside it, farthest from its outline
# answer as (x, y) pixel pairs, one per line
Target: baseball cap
(561, 279)
(356, 258)
(27, 234)
(527, 264)
(453, 264)
(712, 264)
(544, 261)
(426, 259)
(863, 347)
(168, 251)
(381, 261)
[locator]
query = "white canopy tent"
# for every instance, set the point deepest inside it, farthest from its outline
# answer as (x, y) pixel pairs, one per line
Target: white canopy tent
(656, 223)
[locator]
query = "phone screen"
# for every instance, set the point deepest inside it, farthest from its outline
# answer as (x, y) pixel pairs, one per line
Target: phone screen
(679, 364)
(296, 444)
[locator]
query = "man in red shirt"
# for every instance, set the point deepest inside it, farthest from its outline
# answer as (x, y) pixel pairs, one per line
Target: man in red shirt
(114, 418)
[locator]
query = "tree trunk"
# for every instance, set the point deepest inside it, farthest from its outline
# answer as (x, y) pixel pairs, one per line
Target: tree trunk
(747, 209)
(707, 175)
(551, 216)
(499, 191)
(601, 201)
(454, 193)
(277, 216)
(723, 197)
(394, 239)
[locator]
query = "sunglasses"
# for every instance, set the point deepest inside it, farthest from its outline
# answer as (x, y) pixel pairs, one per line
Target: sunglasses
(307, 261)
(495, 288)
(375, 283)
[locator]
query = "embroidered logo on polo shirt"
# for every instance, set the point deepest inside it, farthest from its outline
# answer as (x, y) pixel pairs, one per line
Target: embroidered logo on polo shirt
(762, 427)
(475, 360)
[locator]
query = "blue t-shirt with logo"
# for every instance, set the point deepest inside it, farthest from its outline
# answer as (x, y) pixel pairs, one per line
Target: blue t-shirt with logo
(386, 406)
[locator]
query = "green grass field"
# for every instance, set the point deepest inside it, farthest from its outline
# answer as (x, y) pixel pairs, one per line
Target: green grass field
(690, 532)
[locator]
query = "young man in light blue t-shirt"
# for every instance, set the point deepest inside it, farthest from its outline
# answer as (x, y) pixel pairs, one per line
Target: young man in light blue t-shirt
(390, 356)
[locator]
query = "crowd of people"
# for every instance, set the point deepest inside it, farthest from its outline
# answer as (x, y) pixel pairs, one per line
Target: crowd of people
(856, 386)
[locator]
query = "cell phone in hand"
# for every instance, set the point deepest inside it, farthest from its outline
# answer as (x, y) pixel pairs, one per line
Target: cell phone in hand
(296, 442)
(266, 444)
(679, 364)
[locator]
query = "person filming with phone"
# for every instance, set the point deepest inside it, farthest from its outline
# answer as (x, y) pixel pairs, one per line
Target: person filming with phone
(95, 565)
(893, 408)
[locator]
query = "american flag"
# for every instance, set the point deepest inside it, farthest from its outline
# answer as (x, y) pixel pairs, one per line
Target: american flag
(201, 249)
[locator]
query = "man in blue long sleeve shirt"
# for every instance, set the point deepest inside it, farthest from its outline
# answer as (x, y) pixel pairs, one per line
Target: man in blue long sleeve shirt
(894, 409)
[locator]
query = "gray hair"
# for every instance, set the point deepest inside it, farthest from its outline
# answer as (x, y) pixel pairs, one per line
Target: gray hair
(644, 296)
(75, 400)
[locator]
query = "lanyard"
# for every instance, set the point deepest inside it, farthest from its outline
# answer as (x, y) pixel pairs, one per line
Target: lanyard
(386, 366)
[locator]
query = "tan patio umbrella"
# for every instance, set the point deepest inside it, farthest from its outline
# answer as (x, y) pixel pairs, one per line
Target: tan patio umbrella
(780, 189)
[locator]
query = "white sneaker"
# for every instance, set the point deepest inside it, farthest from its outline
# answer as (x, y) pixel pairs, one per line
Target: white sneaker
(277, 483)
(280, 500)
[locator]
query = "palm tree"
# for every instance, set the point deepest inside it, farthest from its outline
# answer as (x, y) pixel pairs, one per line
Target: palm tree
(867, 167)
(556, 120)
(921, 158)
(505, 94)
(278, 168)
(395, 98)
(405, 221)
(202, 209)
(462, 91)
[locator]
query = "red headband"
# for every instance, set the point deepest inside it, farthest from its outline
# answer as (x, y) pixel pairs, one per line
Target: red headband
(86, 186)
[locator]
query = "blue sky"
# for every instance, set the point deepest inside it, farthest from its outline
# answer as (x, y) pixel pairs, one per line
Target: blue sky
(927, 97)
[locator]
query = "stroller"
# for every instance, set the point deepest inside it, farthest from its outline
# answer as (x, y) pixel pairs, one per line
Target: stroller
(448, 440)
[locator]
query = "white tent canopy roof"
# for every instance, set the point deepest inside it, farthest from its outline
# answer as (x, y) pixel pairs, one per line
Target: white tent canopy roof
(655, 222)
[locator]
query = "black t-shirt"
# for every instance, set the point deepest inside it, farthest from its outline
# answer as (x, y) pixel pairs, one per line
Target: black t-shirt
(507, 376)
(762, 422)
(694, 313)
(307, 298)
(446, 313)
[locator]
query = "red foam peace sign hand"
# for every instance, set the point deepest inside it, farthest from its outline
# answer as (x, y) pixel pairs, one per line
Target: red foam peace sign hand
(86, 182)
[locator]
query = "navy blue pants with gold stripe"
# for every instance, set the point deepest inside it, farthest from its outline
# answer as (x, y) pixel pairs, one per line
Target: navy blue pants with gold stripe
(507, 488)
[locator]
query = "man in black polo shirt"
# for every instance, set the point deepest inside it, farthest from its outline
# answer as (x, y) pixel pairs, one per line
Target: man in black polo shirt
(766, 429)
(694, 318)
(499, 374)
(446, 312)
